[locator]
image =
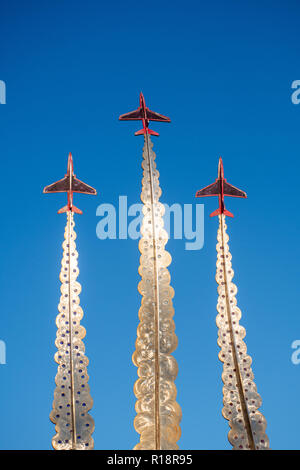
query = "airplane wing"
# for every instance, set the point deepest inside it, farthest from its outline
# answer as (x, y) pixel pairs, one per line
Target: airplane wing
(211, 190)
(81, 187)
(60, 186)
(230, 190)
(135, 115)
(153, 116)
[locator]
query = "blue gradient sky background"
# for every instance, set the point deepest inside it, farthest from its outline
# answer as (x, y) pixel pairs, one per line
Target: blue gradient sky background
(222, 71)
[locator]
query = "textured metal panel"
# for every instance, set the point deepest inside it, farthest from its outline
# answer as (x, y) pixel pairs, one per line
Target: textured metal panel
(135, 115)
(240, 398)
(72, 401)
(230, 190)
(213, 189)
(60, 186)
(81, 187)
(158, 413)
(153, 116)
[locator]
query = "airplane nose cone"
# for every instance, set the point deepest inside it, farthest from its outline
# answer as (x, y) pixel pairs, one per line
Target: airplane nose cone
(142, 99)
(221, 169)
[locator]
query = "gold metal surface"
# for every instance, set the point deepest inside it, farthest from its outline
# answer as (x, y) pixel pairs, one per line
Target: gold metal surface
(240, 398)
(158, 413)
(72, 400)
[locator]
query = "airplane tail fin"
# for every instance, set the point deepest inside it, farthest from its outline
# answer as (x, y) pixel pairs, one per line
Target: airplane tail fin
(219, 212)
(78, 211)
(150, 132)
(63, 209)
(66, 209)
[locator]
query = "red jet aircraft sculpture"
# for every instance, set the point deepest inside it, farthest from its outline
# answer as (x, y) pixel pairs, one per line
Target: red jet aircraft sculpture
(70, 184)
(221, 188)
(145, 115)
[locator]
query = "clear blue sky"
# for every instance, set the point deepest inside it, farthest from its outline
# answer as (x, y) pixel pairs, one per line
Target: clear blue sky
(222, 71)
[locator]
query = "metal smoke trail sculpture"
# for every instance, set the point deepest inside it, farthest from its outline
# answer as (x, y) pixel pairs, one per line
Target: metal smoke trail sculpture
(72, 400)
(158, 413)
(240, 398)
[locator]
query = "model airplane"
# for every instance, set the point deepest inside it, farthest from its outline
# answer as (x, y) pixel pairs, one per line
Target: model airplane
(145, 115)
(70, 184)
(221, 188)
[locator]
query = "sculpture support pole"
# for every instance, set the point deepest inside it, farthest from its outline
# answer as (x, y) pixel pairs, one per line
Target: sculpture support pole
(73, 412)
(158, 413)
(156, 288)
(72, 400)
(240, 398)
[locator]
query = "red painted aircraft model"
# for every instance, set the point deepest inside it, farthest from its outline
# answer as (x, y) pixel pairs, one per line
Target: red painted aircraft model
(221, 188)
(70, 184)
(145, 115)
